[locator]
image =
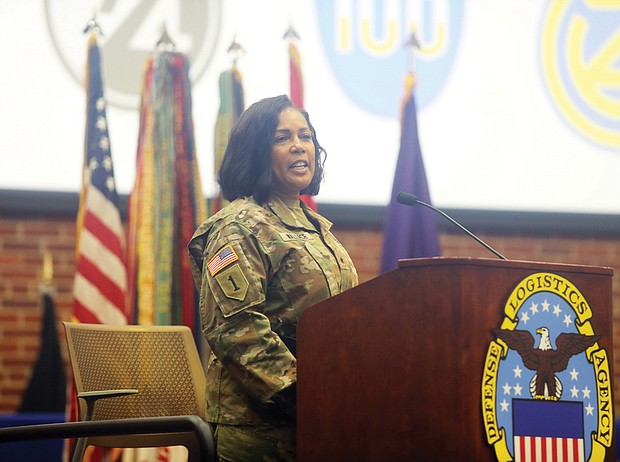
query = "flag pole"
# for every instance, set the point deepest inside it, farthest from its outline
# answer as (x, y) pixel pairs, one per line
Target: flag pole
(165, 43)
(291, 33)
(236, 49)
(413, 44)
(93, 26)
(47, 285)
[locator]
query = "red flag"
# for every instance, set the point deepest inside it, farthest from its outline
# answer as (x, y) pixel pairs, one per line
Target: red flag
(297, 81)
(297, 97)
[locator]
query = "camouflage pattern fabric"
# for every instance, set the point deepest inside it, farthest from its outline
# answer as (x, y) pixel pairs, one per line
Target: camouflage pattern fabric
(251, 443)
(257, 268)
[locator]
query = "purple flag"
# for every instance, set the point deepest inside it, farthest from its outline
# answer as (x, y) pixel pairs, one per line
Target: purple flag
(409, 232)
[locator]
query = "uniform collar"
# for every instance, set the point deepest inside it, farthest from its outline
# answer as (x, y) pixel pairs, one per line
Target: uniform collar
(284, 213)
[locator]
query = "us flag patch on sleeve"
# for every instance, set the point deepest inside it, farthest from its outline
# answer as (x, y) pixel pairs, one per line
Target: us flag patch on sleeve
(224, 257)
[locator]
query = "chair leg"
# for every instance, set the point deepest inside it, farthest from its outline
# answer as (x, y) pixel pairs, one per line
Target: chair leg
(80, 444)
(79, 449)
(192, 453)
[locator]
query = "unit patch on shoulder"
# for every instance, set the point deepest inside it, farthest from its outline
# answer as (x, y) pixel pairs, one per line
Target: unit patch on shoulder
(233, 283)
(222, 259)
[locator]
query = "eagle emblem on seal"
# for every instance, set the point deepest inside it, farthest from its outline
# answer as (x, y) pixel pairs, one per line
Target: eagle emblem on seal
(544, 360)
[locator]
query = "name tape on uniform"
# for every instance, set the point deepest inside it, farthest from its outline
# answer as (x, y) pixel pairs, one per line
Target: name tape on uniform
(294, 236)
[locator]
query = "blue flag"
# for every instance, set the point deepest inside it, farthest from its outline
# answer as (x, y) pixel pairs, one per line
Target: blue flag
(409, 232)
(47, 389)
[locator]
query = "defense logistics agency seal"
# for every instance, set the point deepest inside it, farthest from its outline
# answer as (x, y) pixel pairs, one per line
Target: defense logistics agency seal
(546, 386)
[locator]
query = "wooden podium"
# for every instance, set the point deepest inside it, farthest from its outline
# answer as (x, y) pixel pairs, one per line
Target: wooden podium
(392, 369)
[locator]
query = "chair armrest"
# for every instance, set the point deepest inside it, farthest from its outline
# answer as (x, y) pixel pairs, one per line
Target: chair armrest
(91, 398)
(174, 424)
(106, 393)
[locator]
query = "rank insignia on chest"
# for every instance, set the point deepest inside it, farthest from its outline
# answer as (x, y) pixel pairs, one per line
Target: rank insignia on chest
(222, 259)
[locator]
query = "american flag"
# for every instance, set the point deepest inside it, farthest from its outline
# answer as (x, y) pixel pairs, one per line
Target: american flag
(224, 258)
(100, 284)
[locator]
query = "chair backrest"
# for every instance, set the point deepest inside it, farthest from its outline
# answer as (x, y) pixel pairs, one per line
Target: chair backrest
(161, 362)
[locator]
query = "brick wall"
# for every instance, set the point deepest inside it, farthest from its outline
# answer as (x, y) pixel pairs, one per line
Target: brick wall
(23, 242)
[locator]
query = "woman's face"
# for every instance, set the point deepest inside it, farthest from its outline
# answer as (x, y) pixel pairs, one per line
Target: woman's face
(292, 154)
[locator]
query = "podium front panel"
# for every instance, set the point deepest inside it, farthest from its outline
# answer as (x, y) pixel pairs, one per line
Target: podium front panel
(392, 369)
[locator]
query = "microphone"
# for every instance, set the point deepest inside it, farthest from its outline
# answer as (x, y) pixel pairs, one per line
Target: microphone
(406, 198)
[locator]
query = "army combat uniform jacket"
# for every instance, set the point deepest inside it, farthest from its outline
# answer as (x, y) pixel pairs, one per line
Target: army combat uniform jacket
(257, 268)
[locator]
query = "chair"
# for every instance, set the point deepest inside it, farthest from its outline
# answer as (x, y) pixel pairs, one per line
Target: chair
(133, 372)
(154, 387)
(204, 450)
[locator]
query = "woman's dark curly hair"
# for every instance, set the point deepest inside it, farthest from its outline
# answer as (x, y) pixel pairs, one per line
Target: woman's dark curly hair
(246, 166)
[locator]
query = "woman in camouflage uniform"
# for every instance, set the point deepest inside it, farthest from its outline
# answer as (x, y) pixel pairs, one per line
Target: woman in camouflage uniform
(258, 263)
